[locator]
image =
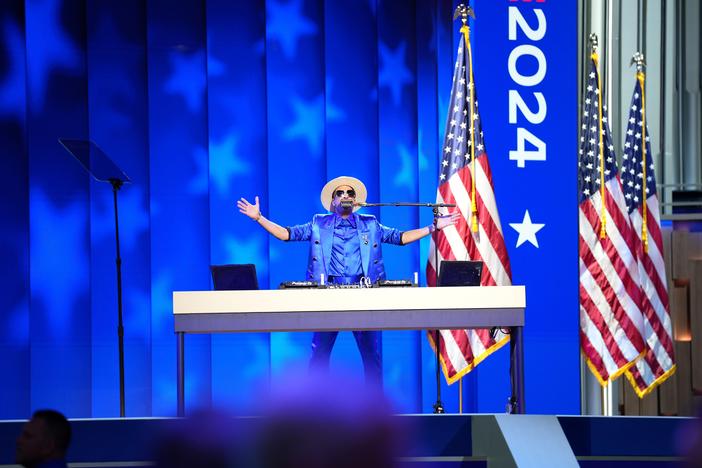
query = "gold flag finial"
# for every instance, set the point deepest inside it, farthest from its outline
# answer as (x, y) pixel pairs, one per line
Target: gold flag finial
(594, 43)
(462, 11)
(638, 60)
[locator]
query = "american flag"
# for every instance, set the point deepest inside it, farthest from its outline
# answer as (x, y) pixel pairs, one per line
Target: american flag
(462, 350)
(610, 316)
(638, 174)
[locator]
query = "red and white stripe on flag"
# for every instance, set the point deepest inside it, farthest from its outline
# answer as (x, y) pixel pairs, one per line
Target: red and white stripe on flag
(658, 362)
(462, 350)
(639, 183)
(610, 317)
(611, 321)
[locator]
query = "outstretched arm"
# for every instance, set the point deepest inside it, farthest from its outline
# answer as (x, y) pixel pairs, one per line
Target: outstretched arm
(440, 223)
(254, 212)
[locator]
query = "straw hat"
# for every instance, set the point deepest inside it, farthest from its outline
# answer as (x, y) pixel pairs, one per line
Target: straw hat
(328, 191)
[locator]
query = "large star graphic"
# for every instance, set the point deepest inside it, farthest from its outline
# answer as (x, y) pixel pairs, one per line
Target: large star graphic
(188, 78)
(527, 230)
(310, 119)
(59, 272)
(250, 250)
(225, 163)
(199, 184)
(49, 47)
(286, 25)
(116, 94)
(405, 176)
(393, 72)
(133, 216)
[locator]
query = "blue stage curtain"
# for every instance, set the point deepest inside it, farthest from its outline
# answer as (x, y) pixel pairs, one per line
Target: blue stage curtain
(178, 144)
(14, 212)
(116, 62)
(207, 101)
(59, 250)
(236, 100)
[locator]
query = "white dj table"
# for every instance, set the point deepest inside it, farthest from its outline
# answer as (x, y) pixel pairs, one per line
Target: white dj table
(390, 308)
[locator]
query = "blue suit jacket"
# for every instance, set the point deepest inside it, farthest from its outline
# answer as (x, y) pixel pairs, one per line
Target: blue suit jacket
(320, 233)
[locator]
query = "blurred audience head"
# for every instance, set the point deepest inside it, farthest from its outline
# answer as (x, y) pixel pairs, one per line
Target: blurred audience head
(44, 438)
(205, 439)
(327, 422)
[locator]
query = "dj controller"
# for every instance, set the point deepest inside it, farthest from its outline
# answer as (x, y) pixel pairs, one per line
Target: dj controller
(363, 283)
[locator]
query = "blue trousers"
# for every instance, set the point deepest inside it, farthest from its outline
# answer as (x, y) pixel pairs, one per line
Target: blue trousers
(368, 343)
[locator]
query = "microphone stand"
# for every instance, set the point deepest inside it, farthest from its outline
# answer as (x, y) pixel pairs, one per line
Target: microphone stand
(436, 206)
(438, 406)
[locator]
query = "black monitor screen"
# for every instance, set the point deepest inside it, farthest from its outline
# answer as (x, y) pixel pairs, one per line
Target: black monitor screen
(460, 273)
(234, 277)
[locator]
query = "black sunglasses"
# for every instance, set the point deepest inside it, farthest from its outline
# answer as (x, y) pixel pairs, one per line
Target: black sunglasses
(351, 193)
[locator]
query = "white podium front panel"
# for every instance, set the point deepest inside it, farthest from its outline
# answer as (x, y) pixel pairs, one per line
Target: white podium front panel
(390, 308)
(348, 309)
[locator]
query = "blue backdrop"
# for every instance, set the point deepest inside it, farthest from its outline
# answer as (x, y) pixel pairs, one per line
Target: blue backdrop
(210, 100)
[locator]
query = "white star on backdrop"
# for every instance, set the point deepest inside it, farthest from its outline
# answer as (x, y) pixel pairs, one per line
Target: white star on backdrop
(527, 230)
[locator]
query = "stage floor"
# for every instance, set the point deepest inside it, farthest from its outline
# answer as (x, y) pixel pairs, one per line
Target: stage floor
(482, 440)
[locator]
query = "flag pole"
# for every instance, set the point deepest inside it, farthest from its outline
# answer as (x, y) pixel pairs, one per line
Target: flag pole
(638, 59)
(464, 12)
(595, 58)
(607, 399)
(438, 405)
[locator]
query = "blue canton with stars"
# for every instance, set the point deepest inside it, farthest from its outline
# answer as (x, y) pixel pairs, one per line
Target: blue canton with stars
(457, 140)
(589, 159)
(632, 160)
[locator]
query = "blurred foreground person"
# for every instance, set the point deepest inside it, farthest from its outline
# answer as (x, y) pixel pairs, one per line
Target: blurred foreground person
(44, 441)
(207, 439)
(323, 423)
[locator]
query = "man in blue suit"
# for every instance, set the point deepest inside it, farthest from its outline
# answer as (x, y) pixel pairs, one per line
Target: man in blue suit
(345, 248)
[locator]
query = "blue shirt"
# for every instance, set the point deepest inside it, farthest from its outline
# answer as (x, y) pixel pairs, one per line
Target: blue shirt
(346, 248)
